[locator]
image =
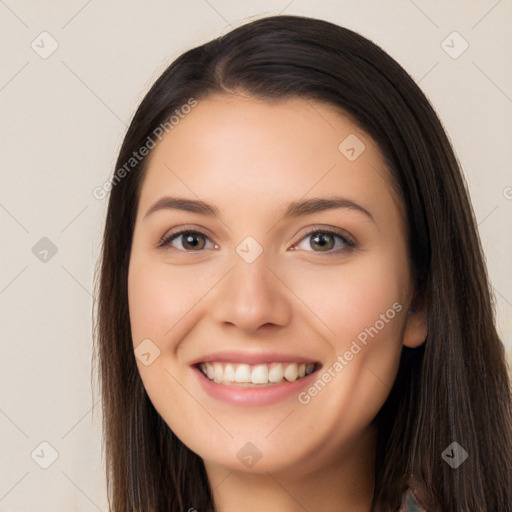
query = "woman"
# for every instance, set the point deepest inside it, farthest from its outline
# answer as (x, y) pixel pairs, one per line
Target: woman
(292, 303)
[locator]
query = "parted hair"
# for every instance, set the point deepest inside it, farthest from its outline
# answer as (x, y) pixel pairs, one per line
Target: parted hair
(454, 388)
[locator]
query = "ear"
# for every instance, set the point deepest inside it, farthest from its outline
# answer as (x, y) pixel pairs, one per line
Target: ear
(416, 328)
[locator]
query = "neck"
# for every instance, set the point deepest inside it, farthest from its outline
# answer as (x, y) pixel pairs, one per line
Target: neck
(345, 482)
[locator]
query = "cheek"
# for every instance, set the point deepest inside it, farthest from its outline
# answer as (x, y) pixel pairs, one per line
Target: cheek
(162, 306)
(362, 308)
(159, 297)
(349, 299)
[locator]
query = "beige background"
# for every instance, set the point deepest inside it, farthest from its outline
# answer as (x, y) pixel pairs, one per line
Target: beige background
(63, 119)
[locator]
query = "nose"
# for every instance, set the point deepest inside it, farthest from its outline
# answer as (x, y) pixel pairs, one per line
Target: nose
(251, 296)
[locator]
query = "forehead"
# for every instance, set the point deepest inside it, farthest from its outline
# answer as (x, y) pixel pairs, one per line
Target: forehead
(244, 152)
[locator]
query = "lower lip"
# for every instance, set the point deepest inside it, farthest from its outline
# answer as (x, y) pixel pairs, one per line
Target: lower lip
(257, 395)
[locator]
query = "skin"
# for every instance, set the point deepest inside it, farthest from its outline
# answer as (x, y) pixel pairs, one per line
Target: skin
(251, 158)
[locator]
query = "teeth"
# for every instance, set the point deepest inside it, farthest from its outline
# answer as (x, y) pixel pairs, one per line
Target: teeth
(276, 373)
(262, 374)
(218, 372)
(291, 372)
(243, 373)
(229, 373)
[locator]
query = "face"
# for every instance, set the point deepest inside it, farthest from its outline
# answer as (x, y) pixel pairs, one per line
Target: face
(268, 323)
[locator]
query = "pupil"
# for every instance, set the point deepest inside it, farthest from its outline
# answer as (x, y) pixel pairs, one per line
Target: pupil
(322, 243)
(189, 240)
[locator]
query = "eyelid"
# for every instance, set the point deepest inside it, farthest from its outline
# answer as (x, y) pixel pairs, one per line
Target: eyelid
(179, 230)
(348, 239)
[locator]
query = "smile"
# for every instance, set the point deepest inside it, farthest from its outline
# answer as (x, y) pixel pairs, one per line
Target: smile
(247, 375)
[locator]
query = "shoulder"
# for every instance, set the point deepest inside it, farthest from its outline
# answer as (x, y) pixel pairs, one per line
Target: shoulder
(410, 502)
(415, 498)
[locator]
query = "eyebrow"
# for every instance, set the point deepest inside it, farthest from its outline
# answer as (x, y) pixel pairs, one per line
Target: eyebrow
(294, 209)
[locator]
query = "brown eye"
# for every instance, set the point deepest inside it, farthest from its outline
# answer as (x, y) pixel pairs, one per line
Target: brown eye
(322, 240)
(187, 241)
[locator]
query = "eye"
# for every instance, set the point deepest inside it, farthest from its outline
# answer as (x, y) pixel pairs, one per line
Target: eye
(325, 240)
(189, 240)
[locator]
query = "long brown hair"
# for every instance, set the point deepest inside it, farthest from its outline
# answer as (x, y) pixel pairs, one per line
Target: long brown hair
(455, 388)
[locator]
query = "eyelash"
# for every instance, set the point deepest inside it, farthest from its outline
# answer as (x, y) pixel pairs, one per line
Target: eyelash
(349, 244)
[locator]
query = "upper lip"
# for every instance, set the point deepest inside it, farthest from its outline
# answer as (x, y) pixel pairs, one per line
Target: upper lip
(253, 358)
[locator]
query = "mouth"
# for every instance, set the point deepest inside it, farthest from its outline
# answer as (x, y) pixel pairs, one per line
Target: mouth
(255, 375)
(254, 378)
